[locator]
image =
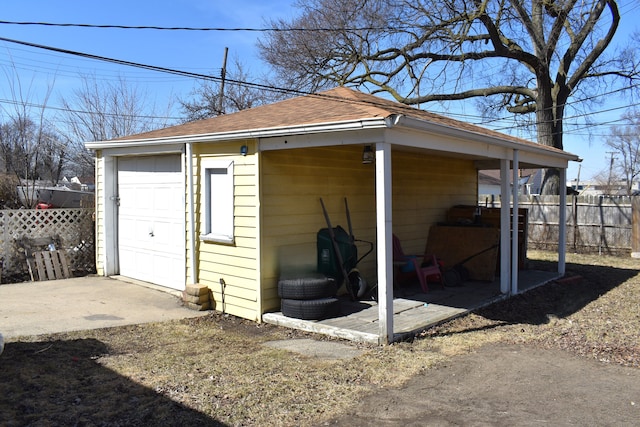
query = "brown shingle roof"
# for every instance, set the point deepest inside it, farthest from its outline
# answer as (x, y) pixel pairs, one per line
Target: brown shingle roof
(335, 105)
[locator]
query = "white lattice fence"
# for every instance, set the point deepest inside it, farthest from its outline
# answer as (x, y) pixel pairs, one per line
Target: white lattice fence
(70, 230)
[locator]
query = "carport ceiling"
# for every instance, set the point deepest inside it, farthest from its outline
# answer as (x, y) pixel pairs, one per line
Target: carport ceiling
(481, 163)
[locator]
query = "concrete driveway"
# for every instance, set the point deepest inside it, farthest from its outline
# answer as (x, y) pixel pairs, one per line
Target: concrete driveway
(84, 303)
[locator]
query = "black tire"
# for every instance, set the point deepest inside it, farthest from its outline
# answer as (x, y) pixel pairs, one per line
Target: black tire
(309, 287)
(451, 278)
(316, 309)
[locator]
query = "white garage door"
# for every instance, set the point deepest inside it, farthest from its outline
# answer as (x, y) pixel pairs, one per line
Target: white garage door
(151, 220)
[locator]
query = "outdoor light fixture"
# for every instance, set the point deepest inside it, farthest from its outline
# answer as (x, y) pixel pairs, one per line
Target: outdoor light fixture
(367, 155)
(243, 150)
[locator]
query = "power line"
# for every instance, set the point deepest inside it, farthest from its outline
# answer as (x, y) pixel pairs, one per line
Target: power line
(238, 82)
(155, 67)
(70, 110)
(608, 110)
(237, 29)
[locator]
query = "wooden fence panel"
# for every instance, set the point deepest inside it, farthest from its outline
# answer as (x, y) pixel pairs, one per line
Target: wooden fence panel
(595, 224)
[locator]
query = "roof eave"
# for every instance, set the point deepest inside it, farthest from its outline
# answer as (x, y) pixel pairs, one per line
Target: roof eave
(347, 125)
(427, 126)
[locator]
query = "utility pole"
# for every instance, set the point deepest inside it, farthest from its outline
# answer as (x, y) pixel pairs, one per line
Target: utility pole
(610, 153)
(223, 75)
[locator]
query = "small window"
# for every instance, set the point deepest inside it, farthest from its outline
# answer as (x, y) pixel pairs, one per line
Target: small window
(218, 224)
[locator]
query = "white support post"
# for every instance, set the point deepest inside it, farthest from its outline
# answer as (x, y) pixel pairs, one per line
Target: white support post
(110, 202)
(514, 225)
(384, 242)
(562, 222)
(192, 215)
(505, 253)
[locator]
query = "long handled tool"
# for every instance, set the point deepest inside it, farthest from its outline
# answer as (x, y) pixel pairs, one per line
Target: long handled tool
(458, 274)
(336, 249)
(352, 237)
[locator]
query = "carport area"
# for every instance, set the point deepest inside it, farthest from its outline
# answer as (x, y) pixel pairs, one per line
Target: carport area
(413, 310)
(91, 302)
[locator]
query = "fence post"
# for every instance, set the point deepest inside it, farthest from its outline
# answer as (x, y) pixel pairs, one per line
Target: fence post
(575, 222)
(3, 243)
(635, 227)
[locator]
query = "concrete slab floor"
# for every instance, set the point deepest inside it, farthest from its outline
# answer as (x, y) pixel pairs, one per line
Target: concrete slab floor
(332, 350)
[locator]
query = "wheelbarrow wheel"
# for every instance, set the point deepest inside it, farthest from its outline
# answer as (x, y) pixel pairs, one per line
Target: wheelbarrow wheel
(357, 283)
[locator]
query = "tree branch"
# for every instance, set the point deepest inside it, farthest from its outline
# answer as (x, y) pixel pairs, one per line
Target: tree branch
(481, 92)
(599, 47)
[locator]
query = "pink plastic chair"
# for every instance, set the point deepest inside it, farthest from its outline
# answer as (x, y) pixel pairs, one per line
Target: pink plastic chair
(424, 267)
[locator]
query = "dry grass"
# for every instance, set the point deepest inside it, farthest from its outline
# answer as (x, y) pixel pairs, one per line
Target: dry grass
(594, 316)
(206, 371)
(215, 371)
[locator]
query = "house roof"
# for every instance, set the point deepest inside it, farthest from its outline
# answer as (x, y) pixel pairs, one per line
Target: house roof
(300, 114)
(489, 179)
(340, 104)
(490, 176)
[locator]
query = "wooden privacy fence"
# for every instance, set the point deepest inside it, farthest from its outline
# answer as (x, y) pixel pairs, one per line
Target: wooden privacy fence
(67, 232)
(595, 224)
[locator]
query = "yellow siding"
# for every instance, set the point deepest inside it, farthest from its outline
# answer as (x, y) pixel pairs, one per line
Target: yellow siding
(424, 187)
(237, 264)
(292, 181)
(99, 199)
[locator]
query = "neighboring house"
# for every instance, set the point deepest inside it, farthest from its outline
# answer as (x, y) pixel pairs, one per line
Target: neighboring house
(233, 201)
(599, 188)
(529, 182)
(64, 195)
(489, 184)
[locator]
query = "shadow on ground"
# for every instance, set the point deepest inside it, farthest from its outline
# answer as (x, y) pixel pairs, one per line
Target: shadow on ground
(62, 383)
(581, 285)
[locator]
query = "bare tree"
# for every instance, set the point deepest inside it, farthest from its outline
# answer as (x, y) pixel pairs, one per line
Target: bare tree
(8, 194)
(104, 110)
(527, 57)
(31, 149)
(32, 152)
(210, 99)
(625, 143)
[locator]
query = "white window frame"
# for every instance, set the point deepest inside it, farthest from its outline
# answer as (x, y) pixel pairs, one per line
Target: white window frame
(218, 197)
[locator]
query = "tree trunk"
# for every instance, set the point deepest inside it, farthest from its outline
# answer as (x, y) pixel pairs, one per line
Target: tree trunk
(549, 114)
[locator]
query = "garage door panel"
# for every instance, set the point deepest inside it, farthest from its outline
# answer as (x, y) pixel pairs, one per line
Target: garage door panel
(151, 219)
(165, 200)
(164, 232)
(144, 199)
(166, 266)
(133, 265)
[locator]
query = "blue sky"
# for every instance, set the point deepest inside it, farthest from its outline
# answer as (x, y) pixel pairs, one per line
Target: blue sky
(194, 51)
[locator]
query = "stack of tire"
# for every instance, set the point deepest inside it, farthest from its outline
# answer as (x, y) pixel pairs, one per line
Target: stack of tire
(309, 297)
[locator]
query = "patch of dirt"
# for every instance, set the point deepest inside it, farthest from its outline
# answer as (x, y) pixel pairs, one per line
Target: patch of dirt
(507, 385)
